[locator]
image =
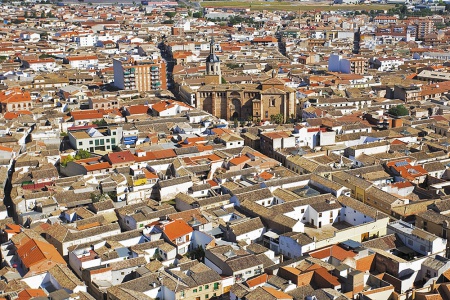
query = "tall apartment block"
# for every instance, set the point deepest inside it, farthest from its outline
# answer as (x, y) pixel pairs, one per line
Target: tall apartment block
(141, 75)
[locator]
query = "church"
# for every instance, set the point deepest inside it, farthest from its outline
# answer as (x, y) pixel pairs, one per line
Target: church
(242, 101)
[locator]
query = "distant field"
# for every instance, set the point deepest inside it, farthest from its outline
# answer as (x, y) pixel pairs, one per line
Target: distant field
(293, 6)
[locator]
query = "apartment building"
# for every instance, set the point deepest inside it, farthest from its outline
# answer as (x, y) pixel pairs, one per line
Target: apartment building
(141, 75)
(95, 139)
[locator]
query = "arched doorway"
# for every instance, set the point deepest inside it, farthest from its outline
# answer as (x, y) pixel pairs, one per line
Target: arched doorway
(235, 109)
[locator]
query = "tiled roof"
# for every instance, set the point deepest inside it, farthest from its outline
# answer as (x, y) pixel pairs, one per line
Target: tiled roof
(176, 229)
(34, 252)
(121, 157)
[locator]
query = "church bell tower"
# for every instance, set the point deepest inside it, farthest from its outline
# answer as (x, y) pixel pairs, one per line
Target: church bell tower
(213, 63)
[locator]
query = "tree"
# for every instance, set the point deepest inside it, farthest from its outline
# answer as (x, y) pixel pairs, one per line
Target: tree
(278, 118)
(66, 160)
(82, 154)
(101, 122)
(198, 14)
(398, 111)
(98, 197)
(197, 253)
(170, 14)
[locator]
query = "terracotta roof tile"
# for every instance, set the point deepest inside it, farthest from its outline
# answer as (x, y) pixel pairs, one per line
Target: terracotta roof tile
(176, 229)
(34, 252)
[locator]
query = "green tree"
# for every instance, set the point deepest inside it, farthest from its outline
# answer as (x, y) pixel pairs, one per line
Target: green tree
(170, 14)
(82, 154)
(198, 14)
(278, 118)
(95, 197)
(398, 111)
(197, 253)
(66, 160)
(101, 122)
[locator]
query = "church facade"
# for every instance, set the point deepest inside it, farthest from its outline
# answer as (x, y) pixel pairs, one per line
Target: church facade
(240, 101)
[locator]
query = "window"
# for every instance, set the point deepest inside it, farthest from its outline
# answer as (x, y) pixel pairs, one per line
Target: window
(303, 210)
(248, 272)
(272, 102)
(206, 296)
(200, 289)
(216, 285)
(331, 220)
(331, 214)
(113, 133)
(91, 142)
(320, 215)
(194, 290)
(80, 143)
(107, 140)
(206, 287)
(113, 141)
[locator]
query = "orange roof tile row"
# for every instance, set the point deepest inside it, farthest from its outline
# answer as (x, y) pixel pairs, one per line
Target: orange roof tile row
(176, 229)
(34, 252)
